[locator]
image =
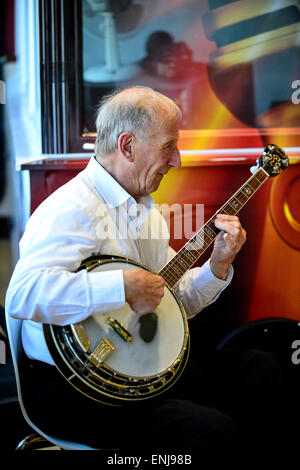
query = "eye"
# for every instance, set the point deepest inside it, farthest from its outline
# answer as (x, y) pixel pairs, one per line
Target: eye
(170, 145)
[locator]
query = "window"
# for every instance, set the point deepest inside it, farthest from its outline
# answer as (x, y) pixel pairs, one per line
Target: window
(232, 67)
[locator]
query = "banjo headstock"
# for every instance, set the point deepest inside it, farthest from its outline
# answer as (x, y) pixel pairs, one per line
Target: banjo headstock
(273, 160)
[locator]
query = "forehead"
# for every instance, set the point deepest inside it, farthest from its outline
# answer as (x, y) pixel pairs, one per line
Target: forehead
(165, 131)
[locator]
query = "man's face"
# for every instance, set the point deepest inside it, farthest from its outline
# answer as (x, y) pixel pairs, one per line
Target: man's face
(155, 154)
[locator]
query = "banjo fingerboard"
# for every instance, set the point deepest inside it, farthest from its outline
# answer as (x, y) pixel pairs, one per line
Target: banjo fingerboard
(195, 247)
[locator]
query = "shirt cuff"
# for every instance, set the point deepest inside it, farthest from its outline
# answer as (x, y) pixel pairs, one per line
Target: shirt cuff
(107, 290)
(228, 278)
(199, 287)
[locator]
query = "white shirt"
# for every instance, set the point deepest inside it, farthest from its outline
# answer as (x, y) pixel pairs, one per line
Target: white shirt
(91, 214)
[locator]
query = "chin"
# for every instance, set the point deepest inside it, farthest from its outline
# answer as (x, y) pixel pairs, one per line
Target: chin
(155, 188)
(155, 184)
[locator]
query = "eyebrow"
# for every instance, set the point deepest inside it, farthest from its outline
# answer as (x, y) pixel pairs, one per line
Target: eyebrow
(171, 141)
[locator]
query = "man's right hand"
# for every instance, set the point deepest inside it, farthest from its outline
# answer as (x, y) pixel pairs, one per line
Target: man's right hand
(143, 290)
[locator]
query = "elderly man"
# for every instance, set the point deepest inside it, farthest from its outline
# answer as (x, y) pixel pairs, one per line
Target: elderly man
(136, 145)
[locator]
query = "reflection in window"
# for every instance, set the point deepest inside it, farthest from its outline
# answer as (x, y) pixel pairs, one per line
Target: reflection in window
(227, 64)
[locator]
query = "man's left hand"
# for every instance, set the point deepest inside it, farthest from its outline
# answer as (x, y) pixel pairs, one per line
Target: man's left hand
(227, 243)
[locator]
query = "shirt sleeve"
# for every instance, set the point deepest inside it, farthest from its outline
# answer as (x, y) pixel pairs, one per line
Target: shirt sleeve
(199, 287)
(44, 287)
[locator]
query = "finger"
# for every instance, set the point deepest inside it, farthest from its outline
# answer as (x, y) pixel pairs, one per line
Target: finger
(161, 293)
(235, 221)
(235, 243)
(233, 230)
(229, 241)
(228, 217)
(160, 282)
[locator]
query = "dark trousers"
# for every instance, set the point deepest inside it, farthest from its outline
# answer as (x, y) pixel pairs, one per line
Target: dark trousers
(225, 400)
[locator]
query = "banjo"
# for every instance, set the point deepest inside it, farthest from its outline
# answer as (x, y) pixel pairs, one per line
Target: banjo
(119, 356)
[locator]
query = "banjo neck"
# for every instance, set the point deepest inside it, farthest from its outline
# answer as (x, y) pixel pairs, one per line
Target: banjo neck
(186, 257)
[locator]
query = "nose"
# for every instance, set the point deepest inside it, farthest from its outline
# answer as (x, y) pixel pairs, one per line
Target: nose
(175, 160)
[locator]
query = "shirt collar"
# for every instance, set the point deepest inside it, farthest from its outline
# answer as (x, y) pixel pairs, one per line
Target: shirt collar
(111, 191)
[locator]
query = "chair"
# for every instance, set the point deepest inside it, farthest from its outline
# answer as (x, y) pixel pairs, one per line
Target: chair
(15, 342)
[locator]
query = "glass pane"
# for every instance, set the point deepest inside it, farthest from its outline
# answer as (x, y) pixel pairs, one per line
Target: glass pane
(228, 64)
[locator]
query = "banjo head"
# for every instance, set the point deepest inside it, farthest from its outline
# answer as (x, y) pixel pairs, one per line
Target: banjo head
(106, 355)
(138, 358)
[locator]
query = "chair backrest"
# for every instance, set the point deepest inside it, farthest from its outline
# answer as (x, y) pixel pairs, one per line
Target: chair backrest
(14, 328)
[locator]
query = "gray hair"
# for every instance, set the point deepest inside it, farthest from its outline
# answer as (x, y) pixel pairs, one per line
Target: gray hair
(137, 110)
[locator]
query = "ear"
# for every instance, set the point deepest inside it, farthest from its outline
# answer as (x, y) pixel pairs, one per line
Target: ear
(125, 145)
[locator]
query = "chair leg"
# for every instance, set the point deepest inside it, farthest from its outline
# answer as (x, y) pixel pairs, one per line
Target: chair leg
(33, 441)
